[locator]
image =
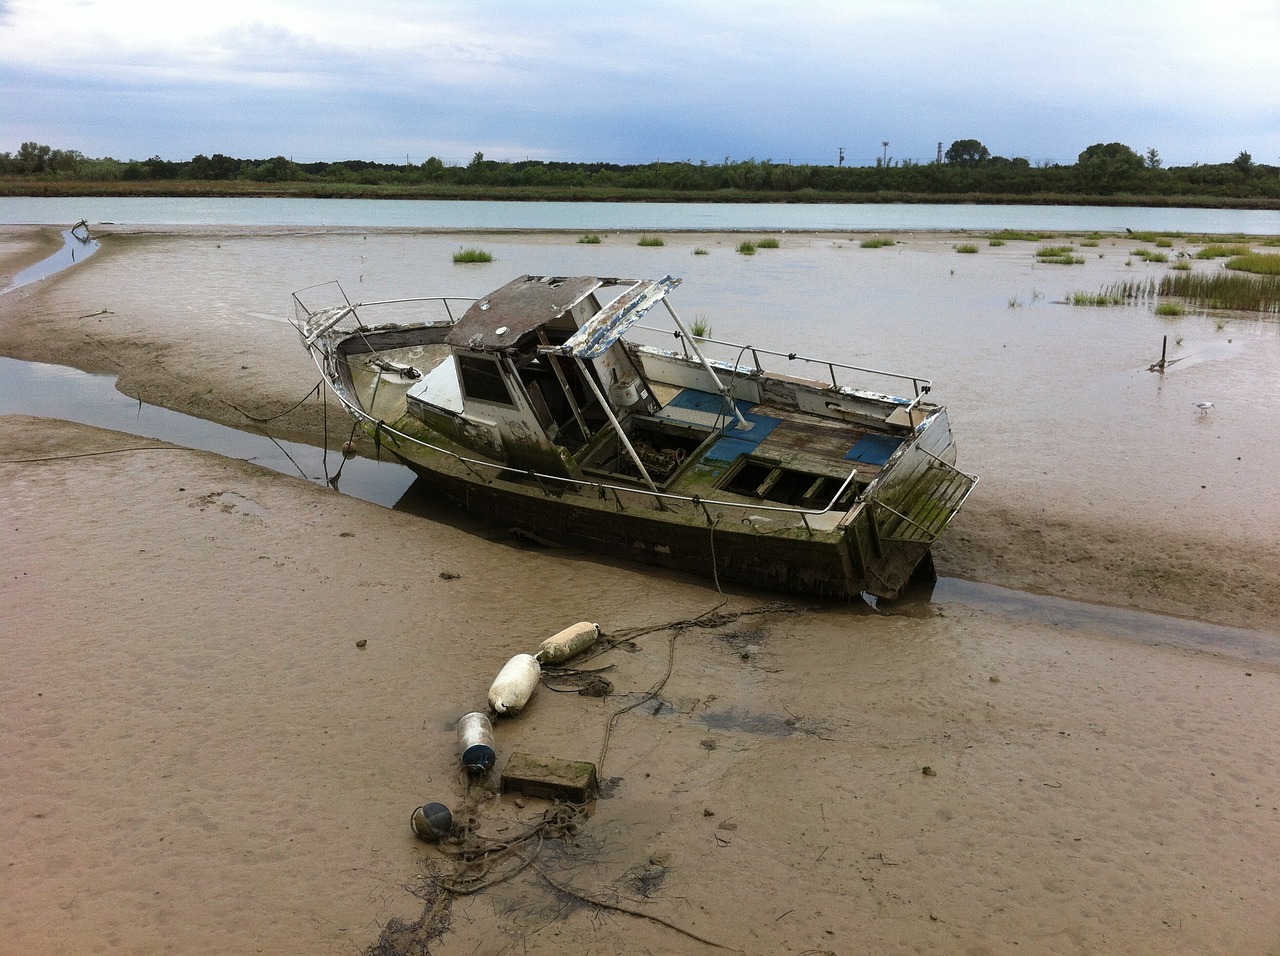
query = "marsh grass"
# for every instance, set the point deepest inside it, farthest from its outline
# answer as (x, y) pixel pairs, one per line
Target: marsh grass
(700, 327)
(747, 248)
(1096, 299)
(966, 247)
(768, 242)
(1059, 256)
(1164, 243)
(651, 241)
(1089, 243)
(1221, 290)
(995, 242)
(877, 243)
(699, 251)
(1182, 265)
(590, 239)
(1259, 263)
(472, 255)
(1215, 250)
(1170, 308)
(1010, 235)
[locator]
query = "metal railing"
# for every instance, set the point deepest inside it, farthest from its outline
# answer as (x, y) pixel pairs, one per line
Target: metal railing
(920, 386)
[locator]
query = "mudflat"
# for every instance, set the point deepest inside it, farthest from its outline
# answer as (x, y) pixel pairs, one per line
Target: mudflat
(201, 758)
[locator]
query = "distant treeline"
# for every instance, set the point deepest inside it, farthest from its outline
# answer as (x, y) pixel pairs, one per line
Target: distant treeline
(1110, 172)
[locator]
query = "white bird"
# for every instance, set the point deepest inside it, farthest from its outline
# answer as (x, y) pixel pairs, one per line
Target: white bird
(1204, 407)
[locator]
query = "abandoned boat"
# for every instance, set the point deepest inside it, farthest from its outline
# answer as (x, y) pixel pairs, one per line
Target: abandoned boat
(546, 406)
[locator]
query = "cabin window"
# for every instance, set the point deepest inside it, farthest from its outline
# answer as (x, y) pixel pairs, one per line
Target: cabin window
(482, 380)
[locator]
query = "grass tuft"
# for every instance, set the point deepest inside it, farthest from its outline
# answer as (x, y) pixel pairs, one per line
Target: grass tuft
(966, 247)
(1170, 308)
(877, 243)
(590, 239)
(472, 255)
(699, 251)
(747, 248)
(768, 242)
(651, 241)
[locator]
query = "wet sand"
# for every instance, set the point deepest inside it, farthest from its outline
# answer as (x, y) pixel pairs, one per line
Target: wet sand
(201, 759)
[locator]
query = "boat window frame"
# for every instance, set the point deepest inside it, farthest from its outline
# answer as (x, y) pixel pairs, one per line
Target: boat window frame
(481, 378)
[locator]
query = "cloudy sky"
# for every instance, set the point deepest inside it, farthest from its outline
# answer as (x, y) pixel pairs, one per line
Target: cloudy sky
(630, 82)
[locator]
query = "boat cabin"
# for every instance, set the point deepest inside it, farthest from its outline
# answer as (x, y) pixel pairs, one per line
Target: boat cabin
(538, 376)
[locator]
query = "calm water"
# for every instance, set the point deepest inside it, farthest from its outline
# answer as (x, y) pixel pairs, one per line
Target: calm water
(445, 214)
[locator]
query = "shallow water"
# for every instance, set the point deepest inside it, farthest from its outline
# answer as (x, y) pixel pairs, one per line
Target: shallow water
(74, 250)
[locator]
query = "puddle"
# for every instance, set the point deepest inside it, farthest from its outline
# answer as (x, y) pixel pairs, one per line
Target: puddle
(77, 246)
(54, 391)
(1236, 642)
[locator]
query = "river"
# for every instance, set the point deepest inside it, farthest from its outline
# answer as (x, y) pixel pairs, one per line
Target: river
(468, 214)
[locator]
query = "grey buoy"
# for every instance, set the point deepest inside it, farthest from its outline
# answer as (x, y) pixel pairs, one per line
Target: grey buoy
(349, 449)
(431, 822)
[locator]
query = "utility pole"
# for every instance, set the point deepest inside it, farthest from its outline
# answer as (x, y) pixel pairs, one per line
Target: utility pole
(885, 161)
(841, 156)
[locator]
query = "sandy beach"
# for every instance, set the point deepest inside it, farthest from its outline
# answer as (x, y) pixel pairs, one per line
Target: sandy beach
(200, 758)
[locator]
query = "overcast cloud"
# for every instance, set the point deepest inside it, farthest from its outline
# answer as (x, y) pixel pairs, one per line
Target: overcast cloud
(326, 80)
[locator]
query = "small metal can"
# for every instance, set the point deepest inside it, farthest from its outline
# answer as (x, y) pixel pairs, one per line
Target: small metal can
(431, 821)
(475, 742)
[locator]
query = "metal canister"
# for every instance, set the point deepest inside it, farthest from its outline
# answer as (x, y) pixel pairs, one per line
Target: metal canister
(431, 821)
(475, 742)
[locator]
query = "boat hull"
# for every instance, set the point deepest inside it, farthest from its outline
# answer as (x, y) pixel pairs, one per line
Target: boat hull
(836, 563)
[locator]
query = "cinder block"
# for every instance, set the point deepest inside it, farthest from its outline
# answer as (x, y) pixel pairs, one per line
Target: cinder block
(549, 777)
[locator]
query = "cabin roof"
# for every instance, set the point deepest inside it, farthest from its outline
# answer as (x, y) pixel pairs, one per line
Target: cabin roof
(502, 319)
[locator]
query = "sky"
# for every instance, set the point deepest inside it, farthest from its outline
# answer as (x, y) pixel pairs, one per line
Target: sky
(632, 82)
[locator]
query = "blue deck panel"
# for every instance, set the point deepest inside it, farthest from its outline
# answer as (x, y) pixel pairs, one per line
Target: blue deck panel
(735, 441)
(873, 449)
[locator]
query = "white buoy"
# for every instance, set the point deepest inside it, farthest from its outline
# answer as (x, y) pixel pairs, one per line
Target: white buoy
(570, 642)
(515, 684)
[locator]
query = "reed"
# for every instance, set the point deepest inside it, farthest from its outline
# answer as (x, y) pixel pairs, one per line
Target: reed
(590, 239)
(1089, 243)
(966, 247)
(472, 255)
(1170, 309)
(700, 327)
(768, 242)
(651, 241)
(877, 243)
(747, 248)
(995, 242)
(699, 251)
(1054, 251)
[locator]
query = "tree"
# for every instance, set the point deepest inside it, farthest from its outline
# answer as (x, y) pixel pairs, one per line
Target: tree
(967, 152)
(1153, 158)
(1116, 156)
(1244, 162)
